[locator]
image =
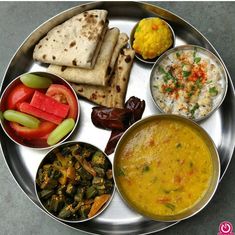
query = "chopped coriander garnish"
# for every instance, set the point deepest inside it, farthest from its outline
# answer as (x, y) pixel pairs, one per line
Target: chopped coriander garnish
(192, 111)
(170, 206)
(178, 54)
(168, 89)
(197, 60)
(161, 70)
(186, 73)
(145, 168)
(199, 83)
(121, 172)
(178, 145)
(213, 91)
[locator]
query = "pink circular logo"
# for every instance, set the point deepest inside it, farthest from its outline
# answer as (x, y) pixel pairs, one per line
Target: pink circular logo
(225, 227)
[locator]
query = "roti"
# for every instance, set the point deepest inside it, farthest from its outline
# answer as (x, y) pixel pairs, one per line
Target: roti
(100, 74)
(76, 42)
(113, 95)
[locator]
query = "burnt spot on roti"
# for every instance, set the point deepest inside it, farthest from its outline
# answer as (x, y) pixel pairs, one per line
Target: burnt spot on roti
(44, 56)
(120, 67)
(58, 31)
(65, 49)
(101, 23)
(80, 90)
(74, 62)
(122, 52)
(53, 57)
(72, 44)
(46, 39)
(63, 68)
(118, 89)
(124, 79)
(93, 96)
(128, 59)
(103, 96)
(39, 46)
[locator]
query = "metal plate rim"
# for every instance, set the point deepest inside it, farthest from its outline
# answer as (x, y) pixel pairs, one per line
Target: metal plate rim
(100, 4)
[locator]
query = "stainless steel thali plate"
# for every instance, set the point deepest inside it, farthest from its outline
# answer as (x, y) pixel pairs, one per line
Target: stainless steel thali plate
(23, 162)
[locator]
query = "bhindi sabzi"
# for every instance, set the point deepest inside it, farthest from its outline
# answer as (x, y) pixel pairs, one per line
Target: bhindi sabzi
(75, 181)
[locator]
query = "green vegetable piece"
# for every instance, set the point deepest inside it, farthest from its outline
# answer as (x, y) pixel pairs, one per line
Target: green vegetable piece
(57, 203)
(170, 206)
(179, 145)
(146, 168)
(35, 81)
(46, 193)
(161, 69)
(177, 54)
(100, 171)
(199, 83)
(191, 164)
(120, 171)
(98, 159)
(197, 60)
(91, 192)
(186, 74)
(85, 175)
(60, 131)
(192, 111)
(168, 89)
(71, 189)
(21, 118)
(66, 212)
(98, 181)
(79, 195)
(213, 91)
(84, 211)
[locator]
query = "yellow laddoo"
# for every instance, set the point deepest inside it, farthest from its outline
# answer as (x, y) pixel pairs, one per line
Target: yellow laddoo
(152, 37)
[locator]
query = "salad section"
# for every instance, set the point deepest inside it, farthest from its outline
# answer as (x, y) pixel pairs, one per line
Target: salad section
(36, 108)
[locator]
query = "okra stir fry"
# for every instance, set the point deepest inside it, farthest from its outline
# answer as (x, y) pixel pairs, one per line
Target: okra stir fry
(75, 181)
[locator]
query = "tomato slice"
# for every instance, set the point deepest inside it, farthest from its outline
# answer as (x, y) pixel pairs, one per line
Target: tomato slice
(19, 94)
(64, 95)
(44, 129)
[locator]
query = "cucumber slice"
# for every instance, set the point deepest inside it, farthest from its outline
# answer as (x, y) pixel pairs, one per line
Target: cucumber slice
(60, 131)
(35, 81)
(21, 118)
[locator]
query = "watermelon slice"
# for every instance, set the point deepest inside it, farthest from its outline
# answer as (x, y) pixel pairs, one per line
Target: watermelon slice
(29, 109)
(49, 105)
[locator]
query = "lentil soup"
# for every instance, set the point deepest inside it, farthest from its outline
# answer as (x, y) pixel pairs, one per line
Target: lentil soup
(164, 167)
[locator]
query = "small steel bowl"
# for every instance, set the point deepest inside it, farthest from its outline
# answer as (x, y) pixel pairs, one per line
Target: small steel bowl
(138, 56)
(208, 54)
(35, 144)
(49, 158)
(125, 141)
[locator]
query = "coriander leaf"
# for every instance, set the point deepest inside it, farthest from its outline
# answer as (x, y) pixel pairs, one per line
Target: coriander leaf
(168, 89)
(197, 60)
(213, 91)
(186, 73)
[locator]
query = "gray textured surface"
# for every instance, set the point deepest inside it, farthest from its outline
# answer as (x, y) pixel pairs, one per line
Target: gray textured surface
(216, 20)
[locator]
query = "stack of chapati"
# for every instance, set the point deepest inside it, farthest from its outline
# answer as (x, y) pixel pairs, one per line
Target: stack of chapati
(85, 52)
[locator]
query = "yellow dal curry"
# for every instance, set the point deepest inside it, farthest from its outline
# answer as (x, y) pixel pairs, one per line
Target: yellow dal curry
(163, 168)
